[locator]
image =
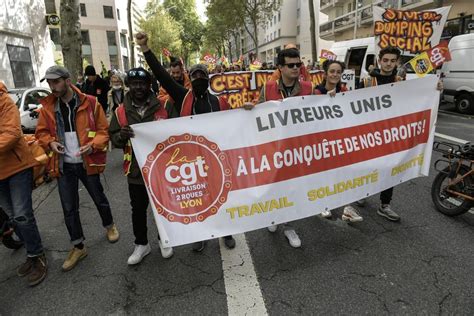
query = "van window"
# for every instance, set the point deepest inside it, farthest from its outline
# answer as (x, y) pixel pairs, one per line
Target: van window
(370, 61)
(356, 59)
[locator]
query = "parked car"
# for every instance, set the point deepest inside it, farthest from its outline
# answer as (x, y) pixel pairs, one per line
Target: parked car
(459, 73)
(27, 101)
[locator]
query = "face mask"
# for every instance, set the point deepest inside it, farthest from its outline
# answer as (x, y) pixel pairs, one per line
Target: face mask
(200, 86)
(117, 87)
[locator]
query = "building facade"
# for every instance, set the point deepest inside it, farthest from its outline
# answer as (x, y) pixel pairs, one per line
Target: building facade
(290, 24)
(342, 15)
(104, 32)
(25, 43)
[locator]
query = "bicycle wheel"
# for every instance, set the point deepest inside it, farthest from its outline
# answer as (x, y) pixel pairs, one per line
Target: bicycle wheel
(447, 203)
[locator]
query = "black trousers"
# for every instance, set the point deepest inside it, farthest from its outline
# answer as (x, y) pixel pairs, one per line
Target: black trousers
(139, 202)
(386, 196)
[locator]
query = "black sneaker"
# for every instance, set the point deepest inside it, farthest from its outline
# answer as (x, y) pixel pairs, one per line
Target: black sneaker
(229, 242)
(199, 246)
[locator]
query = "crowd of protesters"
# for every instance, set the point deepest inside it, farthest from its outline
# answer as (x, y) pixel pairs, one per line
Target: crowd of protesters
(79, 120)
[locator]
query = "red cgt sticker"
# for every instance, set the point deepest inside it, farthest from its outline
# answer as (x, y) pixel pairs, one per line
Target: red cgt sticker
(189, 178)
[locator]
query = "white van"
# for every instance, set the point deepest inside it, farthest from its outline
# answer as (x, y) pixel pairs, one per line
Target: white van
(359, 54)
(459, 73)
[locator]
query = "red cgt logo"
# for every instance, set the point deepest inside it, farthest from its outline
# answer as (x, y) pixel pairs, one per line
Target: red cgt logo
(189, 178)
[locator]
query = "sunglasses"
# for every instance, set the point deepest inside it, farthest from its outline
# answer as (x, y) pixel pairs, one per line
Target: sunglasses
(137, 73)
(292, 65)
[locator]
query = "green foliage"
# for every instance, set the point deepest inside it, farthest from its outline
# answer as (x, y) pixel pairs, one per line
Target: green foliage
(192, 30)
(231, 15)
(162, 29)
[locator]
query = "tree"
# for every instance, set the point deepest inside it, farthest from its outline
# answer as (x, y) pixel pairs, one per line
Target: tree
(130, 33)
(249, 13)
(161, 28)
(312, 28)
(192, 29)
(71, 40)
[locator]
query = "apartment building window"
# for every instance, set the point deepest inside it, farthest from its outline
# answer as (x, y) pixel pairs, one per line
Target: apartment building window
(50, 6)
(274, 19)
(123, 40)
(126, 64)
(298, 12)
(111, 38)
(85, 37)
(275, 34)
(108, 12)
(279, 16)
(114, 63)
(82, 7)
(21, 65)
(118, 14)
(279, 32)
(298, 29)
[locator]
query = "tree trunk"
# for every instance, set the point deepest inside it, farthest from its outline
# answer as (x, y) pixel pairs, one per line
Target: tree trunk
(71, 40)
(130, 32)
(230, 50)
(312, 27)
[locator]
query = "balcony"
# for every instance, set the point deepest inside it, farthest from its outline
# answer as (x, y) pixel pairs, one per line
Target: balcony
(327, 5)
(346, 21)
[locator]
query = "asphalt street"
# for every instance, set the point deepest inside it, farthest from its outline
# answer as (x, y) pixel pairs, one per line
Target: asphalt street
(422, 265)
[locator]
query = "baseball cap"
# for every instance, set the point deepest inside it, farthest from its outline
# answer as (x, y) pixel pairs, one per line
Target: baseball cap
(55, 72)
(138, 74)
(199, 67)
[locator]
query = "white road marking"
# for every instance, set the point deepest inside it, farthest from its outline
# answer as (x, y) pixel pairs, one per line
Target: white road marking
(244, 296)
(451, 138)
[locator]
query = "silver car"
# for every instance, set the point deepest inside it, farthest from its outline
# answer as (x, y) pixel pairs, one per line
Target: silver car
(27, 101)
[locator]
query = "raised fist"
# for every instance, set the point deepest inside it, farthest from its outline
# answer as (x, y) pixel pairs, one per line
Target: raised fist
(141, 39)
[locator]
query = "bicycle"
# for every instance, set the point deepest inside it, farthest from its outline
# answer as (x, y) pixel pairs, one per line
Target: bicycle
(452, 190)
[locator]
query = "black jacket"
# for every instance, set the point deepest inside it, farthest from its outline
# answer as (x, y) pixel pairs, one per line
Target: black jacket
(99, 89)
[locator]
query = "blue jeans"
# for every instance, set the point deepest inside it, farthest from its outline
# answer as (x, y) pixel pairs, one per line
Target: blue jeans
(68, 185)
(15, 199)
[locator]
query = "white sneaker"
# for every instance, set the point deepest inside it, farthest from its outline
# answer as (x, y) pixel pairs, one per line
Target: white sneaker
(139, 253)
(350, 214)
(293, 238)
(272, 228)
(166, 252)
(326, 214)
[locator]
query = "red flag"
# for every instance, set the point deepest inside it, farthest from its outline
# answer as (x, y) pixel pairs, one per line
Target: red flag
(166, 52)
(439, 54)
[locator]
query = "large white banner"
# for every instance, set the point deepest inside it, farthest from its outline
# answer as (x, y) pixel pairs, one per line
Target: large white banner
(412, 32)
(230, 172)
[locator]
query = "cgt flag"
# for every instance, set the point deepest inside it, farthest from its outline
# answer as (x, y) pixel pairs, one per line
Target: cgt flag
(439, 54)
(326, 55)
(421, 64)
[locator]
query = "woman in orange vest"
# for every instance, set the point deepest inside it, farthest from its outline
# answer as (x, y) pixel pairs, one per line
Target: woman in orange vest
(331, 85)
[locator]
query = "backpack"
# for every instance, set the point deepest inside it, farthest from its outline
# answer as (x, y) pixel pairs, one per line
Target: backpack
(40, 172)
